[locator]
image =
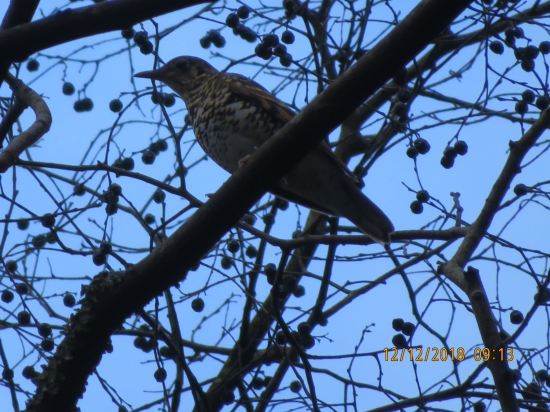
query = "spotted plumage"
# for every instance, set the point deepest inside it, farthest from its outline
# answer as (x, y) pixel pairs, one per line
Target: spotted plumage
(233, 115)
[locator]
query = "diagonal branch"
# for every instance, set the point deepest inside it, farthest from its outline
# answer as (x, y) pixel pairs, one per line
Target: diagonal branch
(111, 298)
(27, 97)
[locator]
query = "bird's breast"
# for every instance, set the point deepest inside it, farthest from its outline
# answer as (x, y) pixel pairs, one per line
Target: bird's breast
(228, 130)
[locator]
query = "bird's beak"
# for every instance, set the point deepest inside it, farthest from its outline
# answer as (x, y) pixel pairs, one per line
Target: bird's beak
(151, 74)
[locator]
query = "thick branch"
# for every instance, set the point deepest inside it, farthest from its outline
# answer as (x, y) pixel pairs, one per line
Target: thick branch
(17, 43)
(471, 282)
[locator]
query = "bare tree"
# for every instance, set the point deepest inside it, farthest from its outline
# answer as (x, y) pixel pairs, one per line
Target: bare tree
(200, 305)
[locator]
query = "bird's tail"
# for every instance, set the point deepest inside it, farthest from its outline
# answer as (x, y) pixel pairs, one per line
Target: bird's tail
(367, 216)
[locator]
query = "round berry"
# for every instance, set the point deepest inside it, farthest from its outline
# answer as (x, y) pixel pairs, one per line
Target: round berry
(69, 300)
(146, 48)
(461, 147)
(29, 372)
(78, 106)
(520, 189)
(205, 42)
(270, 40)
(78, 189)
(128, 33)
(531, 52)
(289, 6)
(159, 196)
(44, 330)
(24, 317)
(496, 47)
(168, 100)
(233, 246)
(544, 47)
(33, 65)
(248, 34)
(407, 328)
(115, 105)
(197, 304)
(304, 328)
(270, 271)
(422, 145)
(542, 102)
(268, 218)
(160, 375)
(6, 296)
(48, 220)
(22, 224)
(99, 258)
(11, 265)
(127, 163)
(262, 51)
(22, 288)
(480, 407)
(39, 241)
(528, 65)
(285, 60)
(516, 317)
(51, 237)
(257, 382)
(87, 104)
(542, 374)
(279, 50)
(416, 207)
(243, 12)
(166, 352)
(422, 196)
(149, 218)
(47, 344)
(226, 262)
(287, 37)
(397, 324)
(249, 219)
(295, 386)
(515, 374)
(140, 38)
(450, 152)
(148, 157)
(158, 146)
(447, 162)
(7, 374)
(232, 20)
(528, 96)
(251, 251)
(399, 341)
(68, 88)
(106, 247)
(299, 291)
(412, 152)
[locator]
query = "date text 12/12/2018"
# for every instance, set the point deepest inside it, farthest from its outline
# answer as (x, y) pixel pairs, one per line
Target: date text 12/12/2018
(443, 354)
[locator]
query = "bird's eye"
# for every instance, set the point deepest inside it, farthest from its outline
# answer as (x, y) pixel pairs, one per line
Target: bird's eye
(182, 64)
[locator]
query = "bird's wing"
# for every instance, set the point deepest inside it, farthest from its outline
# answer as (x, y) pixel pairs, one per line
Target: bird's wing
(259, 96)
(253, 92)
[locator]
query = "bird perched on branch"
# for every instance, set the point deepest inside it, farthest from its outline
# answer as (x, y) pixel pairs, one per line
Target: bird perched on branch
(232, 116)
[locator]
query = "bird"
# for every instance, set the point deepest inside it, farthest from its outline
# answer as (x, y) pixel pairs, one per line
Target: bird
(232, 116)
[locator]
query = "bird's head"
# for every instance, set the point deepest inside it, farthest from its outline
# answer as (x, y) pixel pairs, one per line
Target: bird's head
(182, 74)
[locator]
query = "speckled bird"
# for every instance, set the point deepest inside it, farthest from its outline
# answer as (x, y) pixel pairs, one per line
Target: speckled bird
(232, 116)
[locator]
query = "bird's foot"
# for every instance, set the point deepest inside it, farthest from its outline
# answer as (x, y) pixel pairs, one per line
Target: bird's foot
(243, 161)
